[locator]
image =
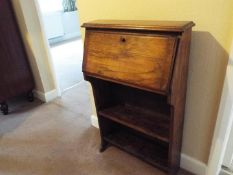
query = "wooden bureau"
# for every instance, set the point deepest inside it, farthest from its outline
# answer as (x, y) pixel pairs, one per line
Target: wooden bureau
(138, 71)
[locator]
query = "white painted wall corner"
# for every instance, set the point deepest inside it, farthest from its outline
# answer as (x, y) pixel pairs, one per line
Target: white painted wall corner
(46, 97)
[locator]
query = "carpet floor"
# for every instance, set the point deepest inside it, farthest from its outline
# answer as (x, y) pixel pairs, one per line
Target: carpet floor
(57, 139)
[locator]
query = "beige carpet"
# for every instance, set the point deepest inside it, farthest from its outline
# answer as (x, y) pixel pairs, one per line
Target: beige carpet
(58, 139)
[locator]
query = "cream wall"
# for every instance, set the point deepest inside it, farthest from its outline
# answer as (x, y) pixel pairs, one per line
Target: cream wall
(208, 59)
(35, 43)
(220, 150)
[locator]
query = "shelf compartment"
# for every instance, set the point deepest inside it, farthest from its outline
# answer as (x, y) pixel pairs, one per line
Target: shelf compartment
(152, 152)
(151, 123)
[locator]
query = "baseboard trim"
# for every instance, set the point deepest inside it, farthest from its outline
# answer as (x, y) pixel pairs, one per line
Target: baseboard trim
(188, 163)
(46, 97)
(192, 165)
(225, 171)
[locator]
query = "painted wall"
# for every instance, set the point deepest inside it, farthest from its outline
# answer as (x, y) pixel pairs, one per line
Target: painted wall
(35, 43)
(220, 149)
(208, 59)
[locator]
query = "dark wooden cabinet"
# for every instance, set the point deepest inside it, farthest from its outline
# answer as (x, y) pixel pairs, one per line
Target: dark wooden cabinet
(15, 74)
(138, 71)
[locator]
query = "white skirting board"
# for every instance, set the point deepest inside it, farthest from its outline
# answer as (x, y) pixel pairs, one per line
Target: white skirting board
(188, 163)
(46, 97)
(192, 165)
(225, 171)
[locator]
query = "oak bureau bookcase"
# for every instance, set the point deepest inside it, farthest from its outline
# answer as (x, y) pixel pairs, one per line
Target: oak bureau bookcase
(138, 71)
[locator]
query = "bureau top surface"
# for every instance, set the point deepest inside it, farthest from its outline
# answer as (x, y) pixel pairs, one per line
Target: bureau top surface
(172, 26)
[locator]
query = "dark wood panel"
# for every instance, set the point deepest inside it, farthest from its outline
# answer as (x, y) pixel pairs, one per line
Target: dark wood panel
(15, 74)
(151, 152)
(178, 98)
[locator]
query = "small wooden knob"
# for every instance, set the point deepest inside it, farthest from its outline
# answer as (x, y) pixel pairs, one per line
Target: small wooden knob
(123, 39)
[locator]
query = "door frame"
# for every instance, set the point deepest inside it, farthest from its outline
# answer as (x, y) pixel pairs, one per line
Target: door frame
(47, 47)
(228, 157)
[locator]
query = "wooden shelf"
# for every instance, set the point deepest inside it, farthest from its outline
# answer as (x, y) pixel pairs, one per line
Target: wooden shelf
(151, 123)
(149, 151)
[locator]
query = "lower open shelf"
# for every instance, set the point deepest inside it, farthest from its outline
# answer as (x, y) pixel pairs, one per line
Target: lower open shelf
(152, 152)
(136, 121)
(151, 123)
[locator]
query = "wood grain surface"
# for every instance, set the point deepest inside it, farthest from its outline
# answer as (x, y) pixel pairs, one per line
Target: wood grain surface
(141, 60)
(167, 26)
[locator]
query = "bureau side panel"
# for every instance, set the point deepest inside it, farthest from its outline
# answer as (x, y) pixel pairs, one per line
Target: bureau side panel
(178, 99)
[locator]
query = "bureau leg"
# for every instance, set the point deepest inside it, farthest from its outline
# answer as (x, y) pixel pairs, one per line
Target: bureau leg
(103, 146)
(30, 96)
(4, 108)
